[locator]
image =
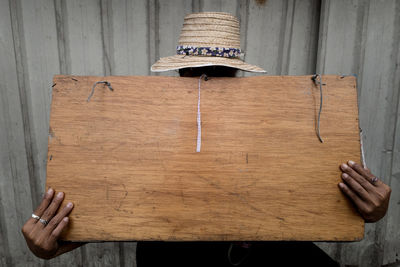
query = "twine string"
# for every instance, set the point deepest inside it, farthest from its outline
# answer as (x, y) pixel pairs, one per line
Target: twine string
(94, 86)
(319, 82)
(198, 147)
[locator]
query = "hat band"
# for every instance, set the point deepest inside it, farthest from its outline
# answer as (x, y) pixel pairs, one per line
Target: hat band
(207, 51)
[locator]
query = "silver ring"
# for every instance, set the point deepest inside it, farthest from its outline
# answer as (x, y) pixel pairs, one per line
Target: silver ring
(44, 222)
(34, 216)
(374, 180)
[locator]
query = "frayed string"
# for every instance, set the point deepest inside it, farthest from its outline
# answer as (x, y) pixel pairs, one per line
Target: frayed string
(314, 78)
(94, 86)
(199, 115)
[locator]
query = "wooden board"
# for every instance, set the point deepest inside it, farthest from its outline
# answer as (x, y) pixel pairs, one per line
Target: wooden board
(127, 158)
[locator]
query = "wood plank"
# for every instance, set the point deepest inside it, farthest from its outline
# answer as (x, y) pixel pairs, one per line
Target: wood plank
(129, 156)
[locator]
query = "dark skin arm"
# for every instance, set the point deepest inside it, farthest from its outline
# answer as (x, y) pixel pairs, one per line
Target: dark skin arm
(370, 198)
(43, 240)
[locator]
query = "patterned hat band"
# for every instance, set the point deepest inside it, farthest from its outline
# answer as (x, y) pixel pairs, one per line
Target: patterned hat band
(208, 51)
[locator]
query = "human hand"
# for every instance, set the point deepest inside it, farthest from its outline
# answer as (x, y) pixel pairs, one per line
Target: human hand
(369, 194)
(42, 235)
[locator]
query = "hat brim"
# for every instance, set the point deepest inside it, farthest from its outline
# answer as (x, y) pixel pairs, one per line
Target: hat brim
(181, 61)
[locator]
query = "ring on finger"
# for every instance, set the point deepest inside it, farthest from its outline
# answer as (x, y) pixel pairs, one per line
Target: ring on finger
(374, 180)
(34, 216)
(43, 221)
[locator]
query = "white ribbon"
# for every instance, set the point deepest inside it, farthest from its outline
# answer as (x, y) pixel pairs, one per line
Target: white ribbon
(199, 118)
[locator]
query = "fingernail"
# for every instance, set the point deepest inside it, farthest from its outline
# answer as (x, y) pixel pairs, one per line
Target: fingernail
(351, 163)
(344, 166)
(50, 191)
(66, 219)
(69, 205)
(344, 175)
(341, 185)
(60, 194)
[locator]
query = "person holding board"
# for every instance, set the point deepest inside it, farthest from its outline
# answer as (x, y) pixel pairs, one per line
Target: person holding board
(209, 45)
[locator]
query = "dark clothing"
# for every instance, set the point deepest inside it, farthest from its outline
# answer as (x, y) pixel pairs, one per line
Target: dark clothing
(216, 254)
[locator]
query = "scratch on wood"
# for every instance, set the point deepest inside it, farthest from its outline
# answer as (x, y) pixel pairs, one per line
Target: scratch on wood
(258, 229)
(247, 158)
(312, 212)
(106, 187)
(182, 197)
(122, 200)
(237, 195)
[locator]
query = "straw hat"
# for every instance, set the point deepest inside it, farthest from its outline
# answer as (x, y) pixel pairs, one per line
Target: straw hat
(207, 39)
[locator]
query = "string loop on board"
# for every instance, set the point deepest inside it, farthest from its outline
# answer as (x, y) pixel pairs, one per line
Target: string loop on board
(198, 147)
(94, 86)
(320, 83)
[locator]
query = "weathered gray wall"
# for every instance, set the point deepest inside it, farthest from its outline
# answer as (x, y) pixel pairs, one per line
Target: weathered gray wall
(98, 37)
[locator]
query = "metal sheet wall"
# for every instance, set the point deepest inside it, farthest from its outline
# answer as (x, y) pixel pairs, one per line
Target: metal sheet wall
(98, 37)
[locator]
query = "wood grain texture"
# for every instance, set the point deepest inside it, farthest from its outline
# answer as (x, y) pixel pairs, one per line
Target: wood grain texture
(127, 158)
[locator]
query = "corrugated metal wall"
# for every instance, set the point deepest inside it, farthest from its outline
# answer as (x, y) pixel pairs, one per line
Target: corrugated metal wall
(98, 37)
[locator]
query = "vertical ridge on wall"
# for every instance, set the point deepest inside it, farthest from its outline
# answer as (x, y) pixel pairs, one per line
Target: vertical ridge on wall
(23, 83)
(285, 34)
(243, 14)
(392, 236)
(12, 147)
(85, 37)
(106, 19)
(60, 11)
(170, 20)
(130, 39)
(284, 44)
(389, 236)
(40, 59)
(19, 181)
(153, 33)
(227, 6)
